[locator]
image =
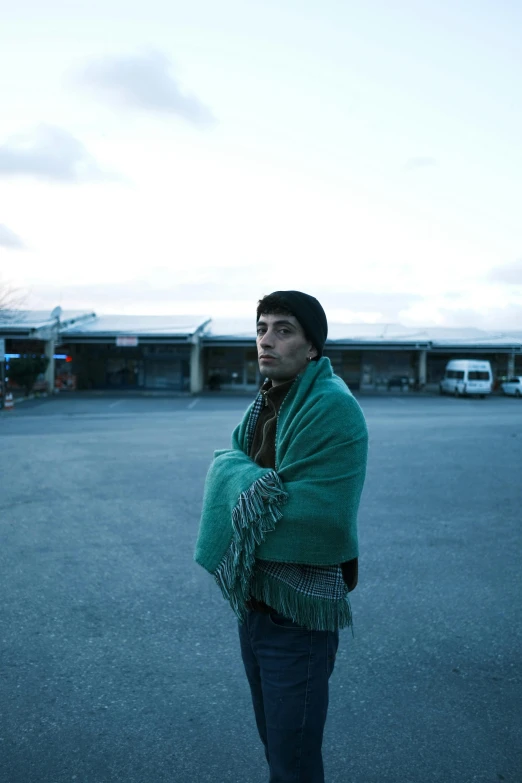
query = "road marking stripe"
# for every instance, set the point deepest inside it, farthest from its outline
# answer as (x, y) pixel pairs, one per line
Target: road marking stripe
(193, 403)
(113, 404)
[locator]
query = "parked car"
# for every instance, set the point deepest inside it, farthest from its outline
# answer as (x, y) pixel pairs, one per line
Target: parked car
(467, 377)
(401, 382)
(513, 386)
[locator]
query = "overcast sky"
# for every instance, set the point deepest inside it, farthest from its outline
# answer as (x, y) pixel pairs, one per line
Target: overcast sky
(174, 157)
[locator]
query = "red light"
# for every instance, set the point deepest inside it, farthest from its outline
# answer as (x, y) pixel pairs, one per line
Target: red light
(68, 358)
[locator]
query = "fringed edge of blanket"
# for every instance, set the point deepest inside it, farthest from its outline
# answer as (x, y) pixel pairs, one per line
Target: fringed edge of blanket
(318, 614)
(255, 514)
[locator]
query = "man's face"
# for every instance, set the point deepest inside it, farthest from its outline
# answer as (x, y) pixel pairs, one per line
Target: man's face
(282, 347)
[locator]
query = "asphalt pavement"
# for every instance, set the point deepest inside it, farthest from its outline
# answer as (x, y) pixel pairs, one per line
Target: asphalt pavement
(119, 659)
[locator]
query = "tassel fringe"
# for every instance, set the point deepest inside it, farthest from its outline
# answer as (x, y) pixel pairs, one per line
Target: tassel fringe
(315, 613)
(255, 514)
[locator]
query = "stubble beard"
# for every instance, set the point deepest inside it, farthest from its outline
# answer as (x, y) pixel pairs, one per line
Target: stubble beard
(270, 372)
(278, 374)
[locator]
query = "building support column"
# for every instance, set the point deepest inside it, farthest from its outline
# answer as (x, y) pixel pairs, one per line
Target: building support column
(196, 366)
(50, 346)
(422, 369)
(511, 364)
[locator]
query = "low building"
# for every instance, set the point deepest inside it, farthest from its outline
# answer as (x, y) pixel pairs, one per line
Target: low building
(158, 353)
(192, 353)
(366, 356)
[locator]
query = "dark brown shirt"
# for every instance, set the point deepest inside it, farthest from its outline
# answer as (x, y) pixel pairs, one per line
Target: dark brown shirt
(263, 450)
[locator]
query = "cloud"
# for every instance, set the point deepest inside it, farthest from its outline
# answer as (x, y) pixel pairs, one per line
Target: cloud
(419, 163)
(209, 289)
(49, 153)
(506, 318)
(213, 285)
(145, 82)
(9, 239)
(223, 292)
(509, 273)
(387, 305)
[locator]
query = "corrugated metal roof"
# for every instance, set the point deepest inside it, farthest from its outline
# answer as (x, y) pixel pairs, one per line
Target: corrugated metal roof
(244, 329)
(138, 325)
(375, 333)
(33, 320)
(232, 328)
(75, 323)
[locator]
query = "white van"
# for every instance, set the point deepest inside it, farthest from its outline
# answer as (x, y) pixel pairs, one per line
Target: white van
(467, 376)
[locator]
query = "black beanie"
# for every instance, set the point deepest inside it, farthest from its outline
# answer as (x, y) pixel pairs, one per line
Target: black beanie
(310, 315)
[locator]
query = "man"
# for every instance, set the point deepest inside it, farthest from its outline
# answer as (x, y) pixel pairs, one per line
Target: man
(279, 530)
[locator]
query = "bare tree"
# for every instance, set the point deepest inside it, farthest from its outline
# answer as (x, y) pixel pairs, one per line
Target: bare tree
(10, 300)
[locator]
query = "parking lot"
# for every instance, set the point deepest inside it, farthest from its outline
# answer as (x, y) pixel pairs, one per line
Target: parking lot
(119, 658)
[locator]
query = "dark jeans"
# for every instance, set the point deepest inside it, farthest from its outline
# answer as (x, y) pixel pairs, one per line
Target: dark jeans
(288, 668)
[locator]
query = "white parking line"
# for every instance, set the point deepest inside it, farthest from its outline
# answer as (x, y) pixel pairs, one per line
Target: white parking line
(113, 404)
(193, 403)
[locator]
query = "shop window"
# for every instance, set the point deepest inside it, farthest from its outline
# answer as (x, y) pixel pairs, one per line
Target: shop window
(123, 373)
(251, 372)
(226, 368)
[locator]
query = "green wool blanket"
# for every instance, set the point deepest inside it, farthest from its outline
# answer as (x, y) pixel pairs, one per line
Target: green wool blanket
(304, 511)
